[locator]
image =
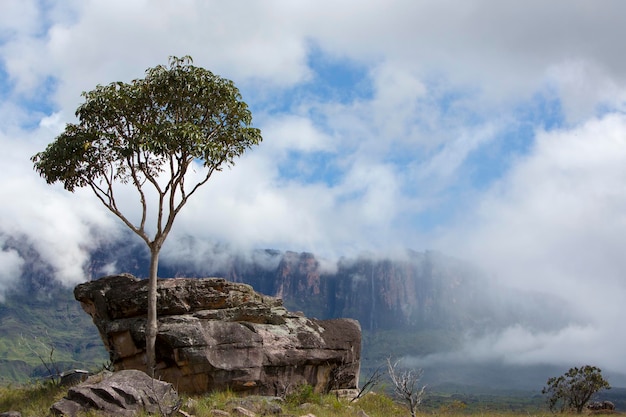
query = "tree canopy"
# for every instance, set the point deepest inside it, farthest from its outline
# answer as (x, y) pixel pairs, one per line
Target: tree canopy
(574, 389)
(152, 133)
(159, 125)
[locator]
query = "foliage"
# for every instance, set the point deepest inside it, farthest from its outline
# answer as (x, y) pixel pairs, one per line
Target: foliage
(303, 394)
(376, 404)
(203, 405)
(574, 389)
(328, 405)
(473, 400)
(456, 406)
(131, 133)
(164, 135)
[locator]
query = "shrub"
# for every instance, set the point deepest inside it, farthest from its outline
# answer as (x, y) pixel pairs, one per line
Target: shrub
(303, 394)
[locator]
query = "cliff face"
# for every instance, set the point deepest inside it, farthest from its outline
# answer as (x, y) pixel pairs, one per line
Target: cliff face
(416, 290)
(420, 290)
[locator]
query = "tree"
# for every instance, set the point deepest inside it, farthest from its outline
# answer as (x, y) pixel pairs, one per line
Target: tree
(574, 389)
(163, 135)
(406, 385)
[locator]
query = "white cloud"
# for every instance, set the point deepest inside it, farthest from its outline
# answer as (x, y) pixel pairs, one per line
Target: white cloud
(556, 224)
(10, 269)
(95, 42)
(18, 16)
(516, 345)
(446, 162)
(294, 133)
(584, 86)
(562, 205)
(502, 51)
(61, 226)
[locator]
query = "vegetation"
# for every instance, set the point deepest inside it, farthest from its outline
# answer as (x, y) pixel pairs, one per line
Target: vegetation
(400, 342)
(574, 389)
(36, 399)
(163, 135)
(32, 399)
(34, 325)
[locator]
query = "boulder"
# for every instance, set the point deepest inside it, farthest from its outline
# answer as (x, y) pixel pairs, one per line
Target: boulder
(215, 335)
(124, 393)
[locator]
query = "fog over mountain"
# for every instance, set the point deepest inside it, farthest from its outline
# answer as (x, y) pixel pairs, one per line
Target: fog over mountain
(439, 313)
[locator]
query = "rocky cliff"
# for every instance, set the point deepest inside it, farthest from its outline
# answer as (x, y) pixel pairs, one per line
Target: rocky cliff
(417, 290)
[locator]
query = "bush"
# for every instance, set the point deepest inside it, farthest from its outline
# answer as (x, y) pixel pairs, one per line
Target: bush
(574, 389)
(303, 394)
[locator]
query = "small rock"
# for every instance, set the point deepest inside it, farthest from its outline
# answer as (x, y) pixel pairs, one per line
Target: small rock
(11, 414)
(263, 405)
(73, 377)
(219, 413)
(240, 411)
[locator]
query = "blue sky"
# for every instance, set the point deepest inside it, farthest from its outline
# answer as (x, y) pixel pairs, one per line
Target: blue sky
(493, 131)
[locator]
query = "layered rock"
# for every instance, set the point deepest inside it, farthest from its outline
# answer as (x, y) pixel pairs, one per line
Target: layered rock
(215, 334)
(125, 393)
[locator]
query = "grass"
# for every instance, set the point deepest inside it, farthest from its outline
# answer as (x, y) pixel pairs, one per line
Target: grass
(35, 399)
(31, 399)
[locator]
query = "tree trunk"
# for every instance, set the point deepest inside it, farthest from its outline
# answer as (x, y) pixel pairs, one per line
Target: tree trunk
(151, 324)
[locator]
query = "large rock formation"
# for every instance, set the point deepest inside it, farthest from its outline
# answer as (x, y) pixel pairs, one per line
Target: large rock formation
(215, 334)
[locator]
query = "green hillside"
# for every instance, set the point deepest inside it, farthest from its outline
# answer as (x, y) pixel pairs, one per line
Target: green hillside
(46, 327)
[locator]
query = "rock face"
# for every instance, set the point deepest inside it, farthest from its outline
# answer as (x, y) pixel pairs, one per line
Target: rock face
(412, 291)
(215, 334)
(124, 393)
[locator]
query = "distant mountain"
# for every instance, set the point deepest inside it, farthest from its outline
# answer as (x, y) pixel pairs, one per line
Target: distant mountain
(413, 291)
(413, 304)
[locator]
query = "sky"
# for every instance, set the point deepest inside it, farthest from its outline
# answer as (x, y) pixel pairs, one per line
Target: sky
(491, 131)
